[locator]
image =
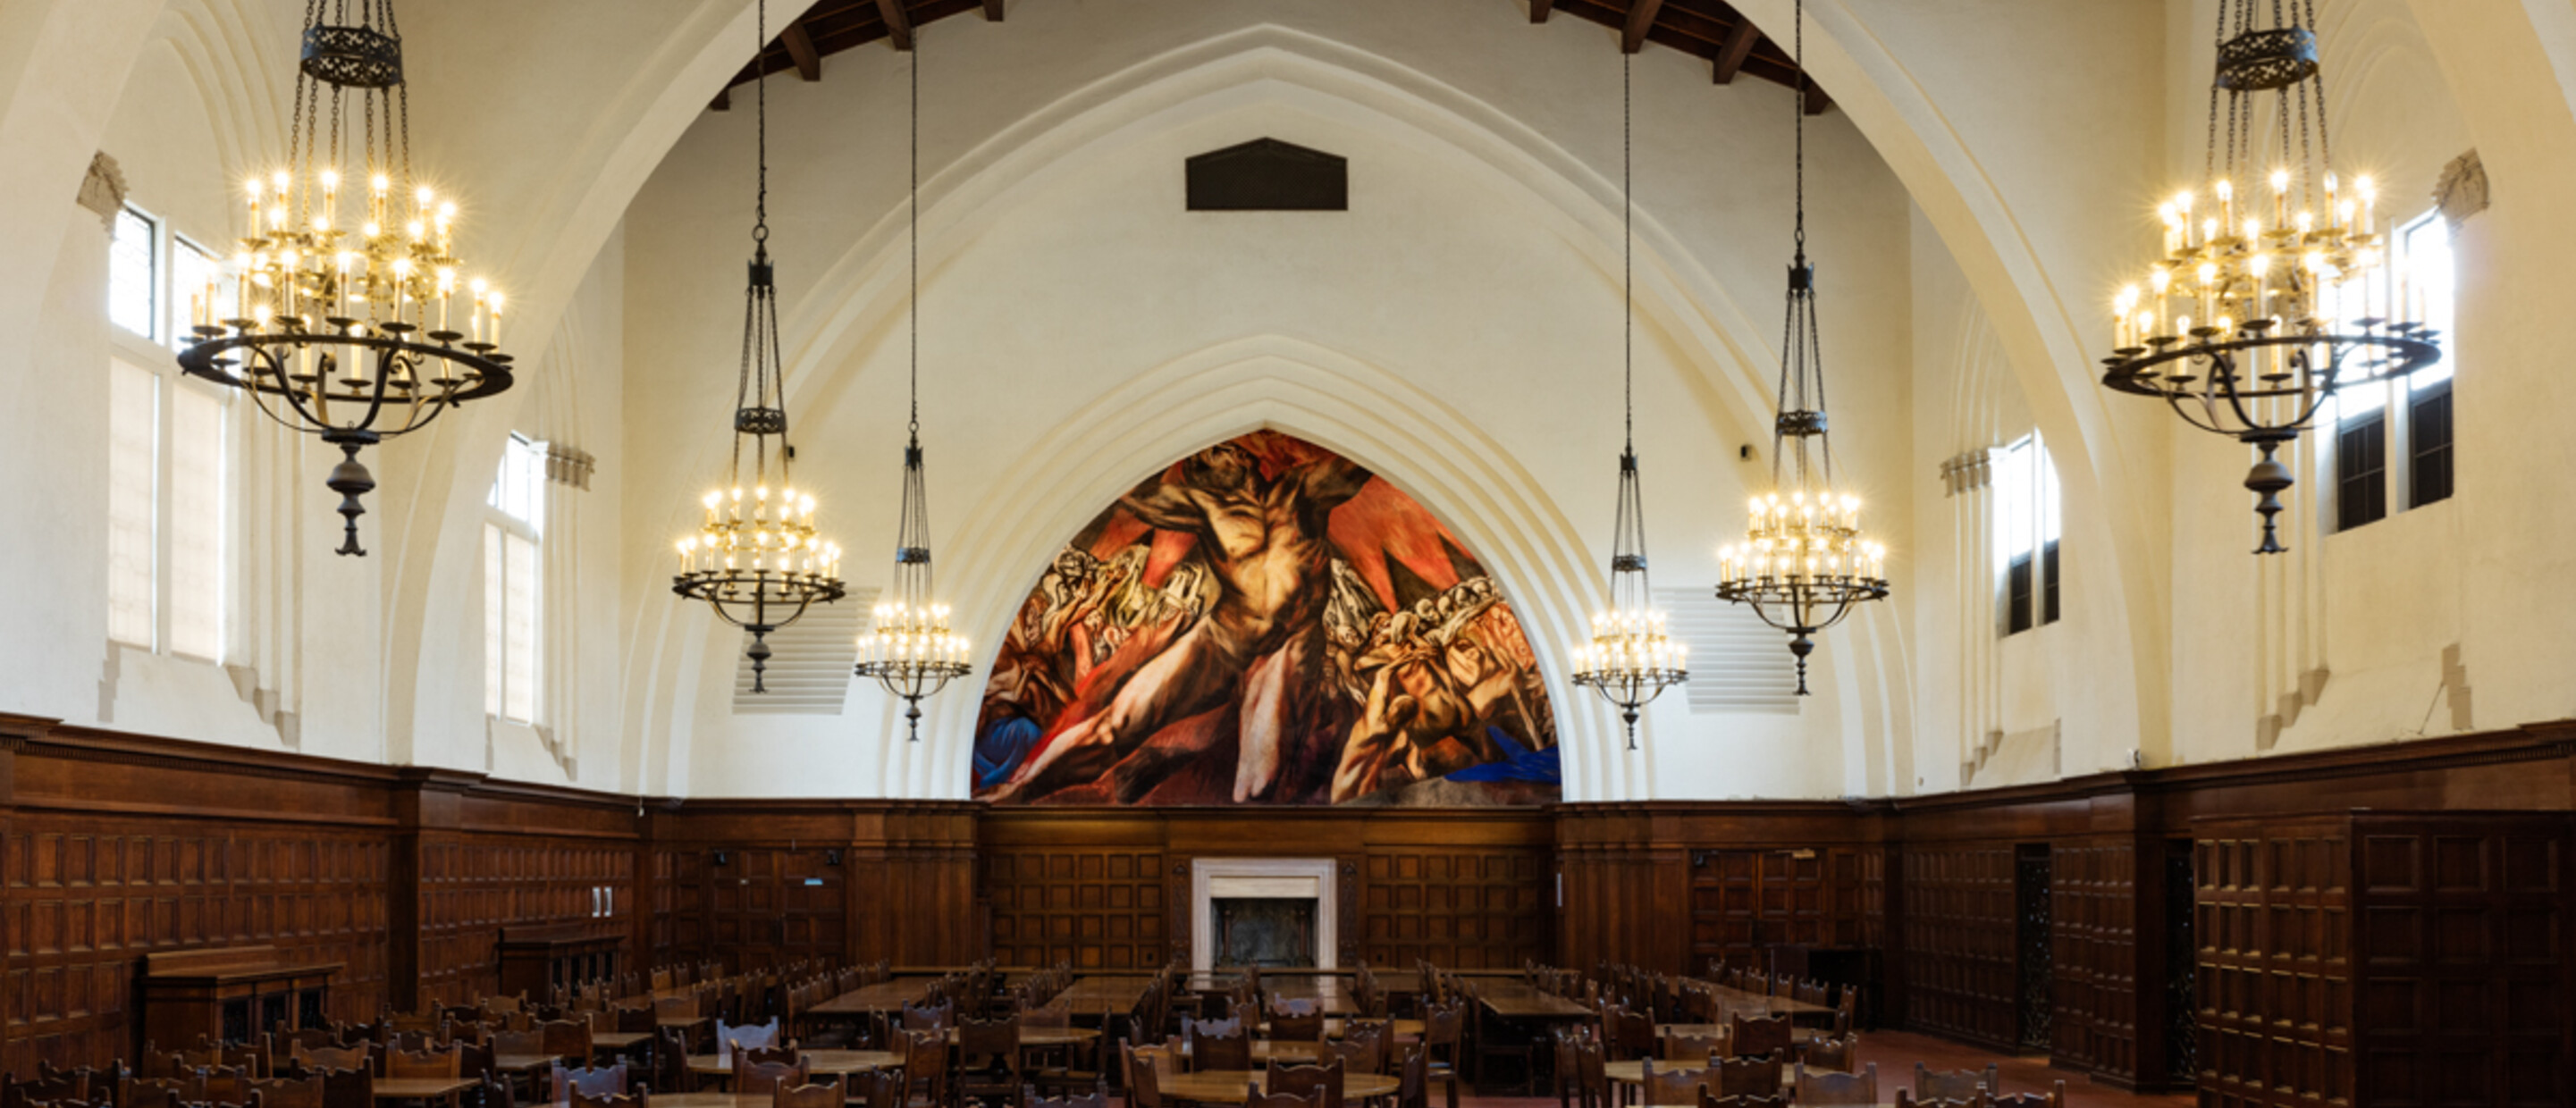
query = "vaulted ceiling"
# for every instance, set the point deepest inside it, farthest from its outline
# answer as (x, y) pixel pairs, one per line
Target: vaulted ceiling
(1710, 29)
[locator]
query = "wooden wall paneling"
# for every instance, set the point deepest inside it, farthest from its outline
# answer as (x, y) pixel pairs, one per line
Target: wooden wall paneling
(2461, 969)
(1959, 931)
(2273, 915)
(2094, 954)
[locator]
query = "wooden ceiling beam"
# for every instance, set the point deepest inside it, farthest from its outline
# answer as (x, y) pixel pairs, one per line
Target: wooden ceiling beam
(723, 101)
(1817, 101)
(1738, 46)
(800, 49)
(1539, 10)
(1641, 18)
(992, 11)
(898, 24)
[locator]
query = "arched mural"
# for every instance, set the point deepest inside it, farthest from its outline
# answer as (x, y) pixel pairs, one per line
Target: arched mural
(1265, 622)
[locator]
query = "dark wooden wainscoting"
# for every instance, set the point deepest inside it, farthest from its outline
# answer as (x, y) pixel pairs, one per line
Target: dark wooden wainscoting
(2352, 926)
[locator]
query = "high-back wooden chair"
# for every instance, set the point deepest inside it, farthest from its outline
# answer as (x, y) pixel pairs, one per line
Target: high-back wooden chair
(588, 1081)
(1842, 1055)
(401, 1063)
(1692, 1048)
(806, 1096)
(1296, 1022)
(729, 1036)
(227, 1085)
(1775, 1100)
(1144, 1070)
(580, 1101)
(346, 1088)
(1324, 1082)
(288, 1092)
(359, 1057)
(1255, 1098)
(758, 1078)
(1836, 1088)
(1442, 1028)
(1747, 1038)
(2055, 1097)
(1932, 1084)
(568, 1039)
(925, 1066)
(1677, 1085)
(1098, 1097)
(1363, 1050)
(1745, 1076)
(940, 1015)
(1218, 1044)
(988, 1060)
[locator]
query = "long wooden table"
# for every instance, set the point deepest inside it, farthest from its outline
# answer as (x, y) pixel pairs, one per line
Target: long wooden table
(1751, 1003)
(817, 1062)
(1519, 1000)
(423, 1088)
(1106, 994)
(884, 996)
(1229, 1086)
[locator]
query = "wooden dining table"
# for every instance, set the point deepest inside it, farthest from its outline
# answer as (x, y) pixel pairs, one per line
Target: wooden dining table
(712, 1100)
(884, 996)
(817, 1062)
(1034, 1037)
(1799, 1035)
(1519, 1000)
(448, 1089)
(1229, 1086)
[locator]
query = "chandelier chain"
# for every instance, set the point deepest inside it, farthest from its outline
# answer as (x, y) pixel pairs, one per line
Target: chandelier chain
(760, 109)
(1628, 253)
(913, 240)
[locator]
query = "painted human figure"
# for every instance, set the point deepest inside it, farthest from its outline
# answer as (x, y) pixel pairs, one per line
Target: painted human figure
(1260, 642)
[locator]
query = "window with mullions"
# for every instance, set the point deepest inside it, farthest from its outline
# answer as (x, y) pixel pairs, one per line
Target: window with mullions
(134, 273)
(168, 494)
(2392, 442)
(2027, 530)
(512, 587)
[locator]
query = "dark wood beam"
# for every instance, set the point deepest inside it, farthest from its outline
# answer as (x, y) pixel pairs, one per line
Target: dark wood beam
(1641, 18)
(1539, 10)
(800, 48)
(1738, 46)
(898, 24)
(992, 11)
(1817, 101)
(723, 101)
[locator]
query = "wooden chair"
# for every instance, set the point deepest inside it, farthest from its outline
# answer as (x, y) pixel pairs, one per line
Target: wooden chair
(875, 1088)
(930, 1017)
(1218, 1044)
(580, 1101)
(1692, 1048)
(1413, 1080)
(587, 1081)
(988, 1060)
(1932, 1084)
(1813, 1089)
(1775, 1100)
(423, 1063)
(1322, 1082)
(226, 1085)
(1629, 1035)
(356, 1057)
(2055, 1097)
(925, 1066)
(1840, 1055)
(1143, 1071)
(1846, 1010)
(1745, 1076)
(282, 1092)
(729, 1036)
(1679, 1086)
(1255, 1098)
(670, 1061)
(760, 1078)
(346, 1088)
(806, 1096)
(1489, 1040)
(1442, 1031)
(1098, 1097)
(1292, 1025)
(1362, 1050)
(1748, 1038)
(1906, 1099)
(566, 1039)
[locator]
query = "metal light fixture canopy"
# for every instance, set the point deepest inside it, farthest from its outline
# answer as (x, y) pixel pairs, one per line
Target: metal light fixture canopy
(1804, 564)
(2274, 287)
(910, 650)
(1630, 660)
(349, 325)
(756, 557)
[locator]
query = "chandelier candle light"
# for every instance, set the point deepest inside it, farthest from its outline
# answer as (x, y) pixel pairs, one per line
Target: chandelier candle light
(910, 651)
(2269, 297)
(1630, 661)
(1804, 564)
(756, 558)
(346, 314)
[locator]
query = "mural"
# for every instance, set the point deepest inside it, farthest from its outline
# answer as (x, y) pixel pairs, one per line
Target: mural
(1265, 622)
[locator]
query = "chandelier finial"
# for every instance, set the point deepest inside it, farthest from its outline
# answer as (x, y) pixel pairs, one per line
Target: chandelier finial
(911, 651)
(1629, 660)
(347, 329)
(757, 561)
(1804, 564)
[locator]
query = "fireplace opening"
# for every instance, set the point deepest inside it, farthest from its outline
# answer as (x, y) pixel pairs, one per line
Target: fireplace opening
(1266, 931)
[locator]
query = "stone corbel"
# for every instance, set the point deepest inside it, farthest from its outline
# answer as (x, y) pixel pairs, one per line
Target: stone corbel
(103, 190)
(2461, 191)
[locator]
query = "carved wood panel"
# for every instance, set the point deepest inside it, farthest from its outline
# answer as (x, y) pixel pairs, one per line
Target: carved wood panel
(1101, 908)
(1744, 901)
(1959, 929)
(2273, 917)
(1459, 908)
(89, 896)
(2094, 940)
(472, 886)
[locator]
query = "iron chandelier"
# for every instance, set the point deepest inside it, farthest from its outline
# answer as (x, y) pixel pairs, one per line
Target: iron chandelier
(347, 325)
(2262, 306)
(1630, 661)
(755, 558)
(1804, 564)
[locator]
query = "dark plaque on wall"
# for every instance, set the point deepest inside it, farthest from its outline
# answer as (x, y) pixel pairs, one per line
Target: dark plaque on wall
(1269, 175)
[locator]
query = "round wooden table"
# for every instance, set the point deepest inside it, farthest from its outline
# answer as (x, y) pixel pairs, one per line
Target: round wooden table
(1229, 1086)
(1031, 1037)
(820, 1063)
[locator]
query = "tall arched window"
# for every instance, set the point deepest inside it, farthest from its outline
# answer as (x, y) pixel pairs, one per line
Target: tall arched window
(513, 582)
